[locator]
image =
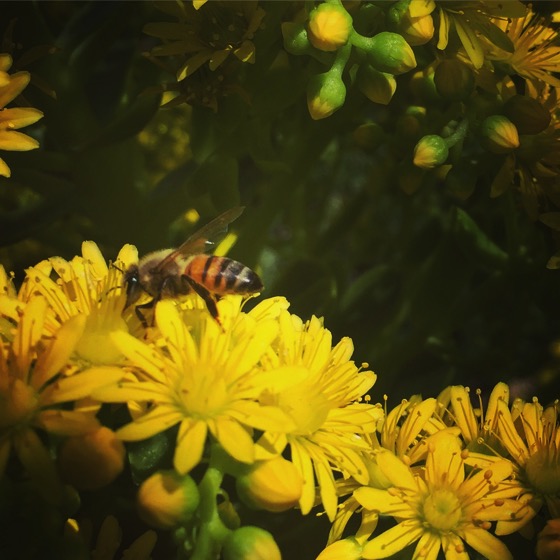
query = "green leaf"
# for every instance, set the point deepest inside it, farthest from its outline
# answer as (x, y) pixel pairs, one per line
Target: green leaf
(474, 241)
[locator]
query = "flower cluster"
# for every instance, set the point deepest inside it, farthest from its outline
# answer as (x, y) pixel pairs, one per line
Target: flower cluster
(454, 477)
(261, 396)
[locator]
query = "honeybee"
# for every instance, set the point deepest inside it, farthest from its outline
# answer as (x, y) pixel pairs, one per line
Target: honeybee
(169, 273)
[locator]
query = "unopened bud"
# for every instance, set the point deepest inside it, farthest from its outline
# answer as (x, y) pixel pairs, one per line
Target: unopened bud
(499, 134)
(368, 136)
(166, 499)
(430, 152)
(527, 114)
(250, 543)
(417, 30)
(453, 80)
(273, 485)
(92, 460)
(378, 87)
(325, 94)
(389, 52)
(329, 27)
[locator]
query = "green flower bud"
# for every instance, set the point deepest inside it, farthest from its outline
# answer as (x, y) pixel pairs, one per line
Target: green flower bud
(378, 87)
(500, 134)
(430, 152)
(387, 52)
(329, 27)
(454, 80)
(527, 114)
(325, 94)
(166, 499)
(251, 543)
(422, 85)
(368, 136)
(273, 485)
(295, 38)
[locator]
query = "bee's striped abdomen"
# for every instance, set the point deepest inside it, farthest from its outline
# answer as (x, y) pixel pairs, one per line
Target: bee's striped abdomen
(221, 275)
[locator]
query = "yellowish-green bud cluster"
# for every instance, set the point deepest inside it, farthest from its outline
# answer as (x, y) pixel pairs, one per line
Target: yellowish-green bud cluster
(329, 27)
(430, 152)
(500, 134)
(166, 499)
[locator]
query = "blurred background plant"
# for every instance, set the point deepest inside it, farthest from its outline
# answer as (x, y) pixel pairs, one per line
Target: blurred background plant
(399, 162)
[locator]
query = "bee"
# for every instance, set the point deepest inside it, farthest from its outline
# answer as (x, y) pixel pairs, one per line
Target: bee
(169, 273)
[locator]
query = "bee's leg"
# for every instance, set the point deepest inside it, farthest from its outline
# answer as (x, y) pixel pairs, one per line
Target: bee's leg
(140, 315)
(206, 296)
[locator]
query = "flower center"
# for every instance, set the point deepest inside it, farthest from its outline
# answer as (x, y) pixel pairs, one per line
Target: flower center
(442, 510)
(543, 470)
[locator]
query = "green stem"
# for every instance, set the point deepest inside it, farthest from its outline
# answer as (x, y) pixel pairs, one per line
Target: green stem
(342, 56)
(458, 135)
(212, 531)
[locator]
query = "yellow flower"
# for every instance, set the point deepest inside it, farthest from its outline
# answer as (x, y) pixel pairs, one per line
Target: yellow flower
(15, 117)
(417, 24)
(202, 377)
(85, 286)
(472, 20)
(438, 507)
(536, 54)
(317, 386)
(531, 435)
(32, 390)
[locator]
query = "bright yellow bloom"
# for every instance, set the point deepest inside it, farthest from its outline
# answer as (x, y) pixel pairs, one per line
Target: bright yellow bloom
(202, 377)
(15, 117)
(85, 286)
(32, 390)
(536, 54)
(318, 387)
(438, 507)
(531, 435)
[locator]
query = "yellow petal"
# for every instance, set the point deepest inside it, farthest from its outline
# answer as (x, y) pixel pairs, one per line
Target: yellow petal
(80, 385)
(489, 546)
(17, 141)
(302, 461)
(234, 438)
(428, 547)
(443, 34)
(395, 470)
(5, 62)
(463, 412)
(94, 257)
(18, 117)
(327, 489)
(382, 501)
(393, 540)
(28, 334)
(141, 391)
(217, 58)
(4, 169)
(190, 445)
(157, 420)
(66, 422)
(471, 42)
(140, 354)
(18, 82)
(58, 352)
(509, 436)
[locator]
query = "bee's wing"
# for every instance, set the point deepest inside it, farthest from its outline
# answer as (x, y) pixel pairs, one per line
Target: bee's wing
(203, 240)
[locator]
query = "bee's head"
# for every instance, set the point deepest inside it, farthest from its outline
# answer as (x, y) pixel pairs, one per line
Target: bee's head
(133, 286)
